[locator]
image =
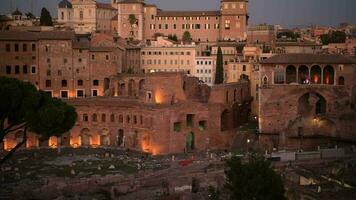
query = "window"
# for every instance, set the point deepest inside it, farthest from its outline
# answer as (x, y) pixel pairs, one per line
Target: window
(17, 69)
(59, 72)
(49, 93)
(33, 47)
(94, 93)
(48, 72)
(202, 125)
(279, 75)
(64, 83)
(128, 119)
(94, 118)
(80, 93)
(93, 57)
(25, 69)
(96, 82)
(80, 82)
(85, 118)
(107, 57)
(33, 69)
(24, 47)
(64, 94)
(8, 69)
(48, 83)
(79, 60)
(177, 126)
(103, 118)
(81, 15)
(8, 47)
(112, 118)
(62, 15)
(121, 119)
(65, 60)
(244, 68)
(16, 47)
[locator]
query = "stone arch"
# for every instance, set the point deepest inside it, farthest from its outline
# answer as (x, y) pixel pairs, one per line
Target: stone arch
(224, 120)
(120, 138)
(311, 104)
(121, 89)
(320, 107)
(341, 80)
(190, 141)
(329, 74)
(265, 81)
(315, 74)
(291, 74)
(132, 88)
(303, 74)
(85, 137)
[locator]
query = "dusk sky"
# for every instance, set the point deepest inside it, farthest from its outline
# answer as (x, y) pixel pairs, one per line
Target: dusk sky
(289, 13)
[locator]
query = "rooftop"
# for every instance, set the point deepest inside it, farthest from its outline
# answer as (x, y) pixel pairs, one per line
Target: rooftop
(187, 13)
(309, 59)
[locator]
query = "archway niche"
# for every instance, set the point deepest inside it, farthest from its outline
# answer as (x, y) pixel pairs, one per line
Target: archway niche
(224, 120)
(85, 137)
(120, 138)
(329, 75)
(303, 74)
(315, 74)
(190, 141)
(132, 88)
(341, 80)
(311, 104)
(291, 74)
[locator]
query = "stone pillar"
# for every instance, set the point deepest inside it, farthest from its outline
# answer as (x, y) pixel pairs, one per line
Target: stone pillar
(322, 76)
(297, 75)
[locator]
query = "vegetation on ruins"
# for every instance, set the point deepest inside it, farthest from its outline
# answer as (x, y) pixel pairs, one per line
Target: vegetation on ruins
(333, 37)
(254, 179)
(186, 36)
(219, 75)
(23, 109)
(46, 18)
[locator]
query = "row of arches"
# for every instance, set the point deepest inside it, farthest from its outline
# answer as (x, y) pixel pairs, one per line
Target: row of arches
(236, 95)
(134, 119)
(131, 88)
(306, 75)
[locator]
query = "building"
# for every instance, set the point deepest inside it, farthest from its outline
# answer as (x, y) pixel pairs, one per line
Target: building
(86, 16)
(158, 113)
(163, 55)
(264, 34)
(347, 48)
(205, 70)
(61, 63)
(306, 100)
(141, 21)
(298, 47)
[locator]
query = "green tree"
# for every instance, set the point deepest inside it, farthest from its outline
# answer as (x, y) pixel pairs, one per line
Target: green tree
(253, 180)
(186, 36)
(333, 37)
(219, 74)
(30, 15)
(46, 18)
(173, 37)
(24, 108)
(132, 19)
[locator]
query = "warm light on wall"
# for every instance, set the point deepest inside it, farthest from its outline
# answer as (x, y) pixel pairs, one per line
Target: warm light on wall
(52, 142)
(158, 97)
(327, 80)
(316, 79)
(95, 141)
(9, 144)
(75, 142)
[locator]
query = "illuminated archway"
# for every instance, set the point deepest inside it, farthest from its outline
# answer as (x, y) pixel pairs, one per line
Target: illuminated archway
(329, 75)
(303, 74)
(291, 74)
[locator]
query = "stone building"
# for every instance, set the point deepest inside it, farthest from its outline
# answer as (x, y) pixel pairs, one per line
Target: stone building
(61, 63)
(306, 100)
(205, 69)
(86, 16)
(159, 113)
(263, 33)
(141, 21)
(163, 55)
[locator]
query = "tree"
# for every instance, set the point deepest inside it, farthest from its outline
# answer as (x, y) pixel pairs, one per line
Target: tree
(30, 15)
(333, 37)
(219, 74)
(253, 180)
(173, 37)
(213, 194)
(46, 18)
(186, 36)
(24, 108)
(132, 19)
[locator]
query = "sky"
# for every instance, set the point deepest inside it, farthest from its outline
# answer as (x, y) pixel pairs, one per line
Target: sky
(288, 13)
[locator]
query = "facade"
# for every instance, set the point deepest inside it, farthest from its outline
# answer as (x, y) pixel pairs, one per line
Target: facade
(86, 16)
(347, 48)
(205, 70)
(157, 113)
(298, 47)
(261, 34)
(141, 21)
(60, 63)
(163, 55)
(306, 100)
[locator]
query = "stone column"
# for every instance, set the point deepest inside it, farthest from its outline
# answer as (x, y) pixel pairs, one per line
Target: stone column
(297, 75)
(322, 75)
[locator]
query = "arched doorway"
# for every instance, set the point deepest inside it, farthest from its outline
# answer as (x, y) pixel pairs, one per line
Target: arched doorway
(291, 74)
(329, 75)
(320, 107)
(224, 122)
(315, 74)
(341, 80)
(303, 74)
(120, 138)
(190, 141)
(132, 88)
(104, 137)
(85, 137)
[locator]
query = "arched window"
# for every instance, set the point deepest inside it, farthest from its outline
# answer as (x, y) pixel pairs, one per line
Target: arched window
(315, 75)
(291, 74)
(303, 74)
(265, 81)
(329, 75)
(112, 118)
(278, 75)
(341, 80)
(121, 119)
(85, 117)
(103, 117)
